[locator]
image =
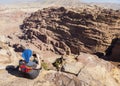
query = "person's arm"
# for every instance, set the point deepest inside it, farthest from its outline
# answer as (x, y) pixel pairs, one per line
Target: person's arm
(39, 61)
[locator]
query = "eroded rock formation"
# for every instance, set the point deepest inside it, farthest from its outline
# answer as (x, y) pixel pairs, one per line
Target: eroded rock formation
(67, 31)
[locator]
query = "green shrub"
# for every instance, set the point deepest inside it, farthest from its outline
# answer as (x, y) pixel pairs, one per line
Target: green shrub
(44, 65)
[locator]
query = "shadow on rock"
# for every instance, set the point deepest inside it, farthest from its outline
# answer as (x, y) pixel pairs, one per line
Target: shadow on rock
(18, 48)
(113, 50)
(112, 53)
(109, 49)
(100, 54)
(14, 71)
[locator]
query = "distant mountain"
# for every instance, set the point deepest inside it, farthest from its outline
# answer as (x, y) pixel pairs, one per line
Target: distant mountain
(78, 3)
(107, 5)
(61, 2)
(71, 3)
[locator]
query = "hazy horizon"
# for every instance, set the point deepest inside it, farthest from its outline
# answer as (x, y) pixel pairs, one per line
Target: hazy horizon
(102, 1)
(87, 1)
(15, 1)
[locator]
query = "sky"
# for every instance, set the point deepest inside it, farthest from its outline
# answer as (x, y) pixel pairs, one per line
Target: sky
(13, 1)
(102, 1)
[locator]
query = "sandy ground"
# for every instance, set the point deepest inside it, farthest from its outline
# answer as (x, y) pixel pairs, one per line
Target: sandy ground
(11, 16)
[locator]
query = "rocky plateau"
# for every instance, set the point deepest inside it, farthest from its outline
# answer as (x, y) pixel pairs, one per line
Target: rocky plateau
(78, 46)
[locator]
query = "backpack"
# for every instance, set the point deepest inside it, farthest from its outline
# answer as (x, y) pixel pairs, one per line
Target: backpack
(25, 69)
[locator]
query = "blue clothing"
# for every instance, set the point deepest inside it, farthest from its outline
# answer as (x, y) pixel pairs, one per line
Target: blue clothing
(27, 54)
(31, 64)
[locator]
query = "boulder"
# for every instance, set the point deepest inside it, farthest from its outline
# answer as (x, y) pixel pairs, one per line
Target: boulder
(72, 67)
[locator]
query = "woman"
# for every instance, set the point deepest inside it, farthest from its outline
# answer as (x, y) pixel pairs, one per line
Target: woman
(28, 68)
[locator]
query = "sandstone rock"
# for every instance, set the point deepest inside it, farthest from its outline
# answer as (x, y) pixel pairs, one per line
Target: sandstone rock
(89, 70)
(3, 39)
(87, 58)
(78, 29)
(61, 79)
(7, 56)
(72, 67)
(97, 71)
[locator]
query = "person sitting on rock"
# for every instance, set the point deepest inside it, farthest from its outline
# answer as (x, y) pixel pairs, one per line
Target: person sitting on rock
(27, 67)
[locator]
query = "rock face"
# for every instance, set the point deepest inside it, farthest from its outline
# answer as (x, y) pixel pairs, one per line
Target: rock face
(67, 31)
(83, 70)
(91, 71)
(96, 71)
(62, 79)
(7, 54)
